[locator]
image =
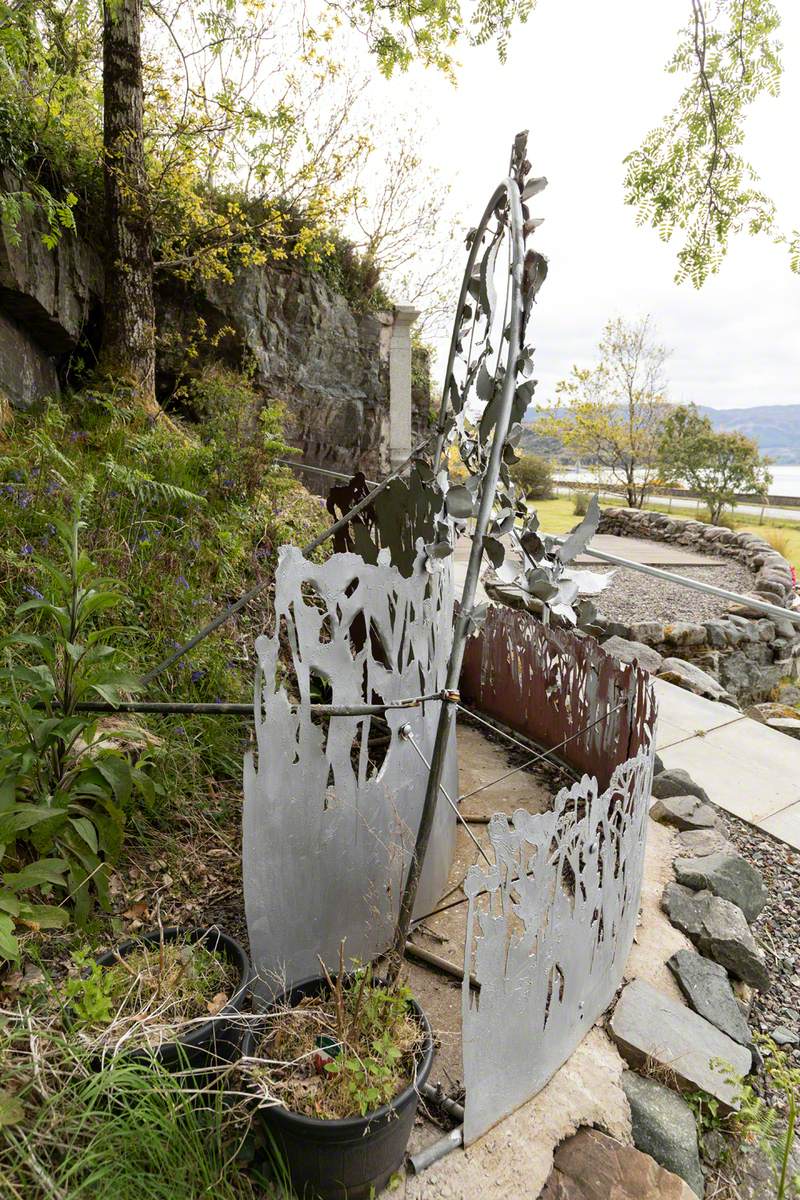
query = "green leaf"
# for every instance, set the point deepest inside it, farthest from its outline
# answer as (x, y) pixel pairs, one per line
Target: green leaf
(45, 870)
(117, 772)
(44, 916)
(24, 816)
(9, 902)
(11, 1110)
(9, 946)
(86, 831)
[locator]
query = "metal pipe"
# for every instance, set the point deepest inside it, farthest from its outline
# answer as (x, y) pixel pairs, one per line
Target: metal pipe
(508, 190)
(437, 1097)
(246, 710)
(254, 591)
(431, 1154)
(772, 610)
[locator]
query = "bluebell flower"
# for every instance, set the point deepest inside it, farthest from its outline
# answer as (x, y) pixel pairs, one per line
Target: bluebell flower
(183, 581)
(33, 592)
(194, 543)
(27, 549)
(197, 676)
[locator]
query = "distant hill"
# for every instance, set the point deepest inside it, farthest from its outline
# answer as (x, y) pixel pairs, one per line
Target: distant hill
(776, 428)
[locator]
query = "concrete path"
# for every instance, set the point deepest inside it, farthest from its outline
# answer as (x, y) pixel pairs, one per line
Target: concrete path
(746, 767)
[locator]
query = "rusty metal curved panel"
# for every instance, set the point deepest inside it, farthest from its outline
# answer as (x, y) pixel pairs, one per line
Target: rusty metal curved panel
(331, 808)
(551, 683)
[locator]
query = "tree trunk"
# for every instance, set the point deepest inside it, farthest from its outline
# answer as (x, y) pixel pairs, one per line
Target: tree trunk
(128, 349)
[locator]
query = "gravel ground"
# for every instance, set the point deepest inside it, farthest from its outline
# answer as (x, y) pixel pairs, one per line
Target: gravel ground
(632, 596)
(777, 928)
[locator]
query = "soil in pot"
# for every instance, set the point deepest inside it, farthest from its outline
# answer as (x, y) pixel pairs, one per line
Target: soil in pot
(170, 993)
(341, 1064)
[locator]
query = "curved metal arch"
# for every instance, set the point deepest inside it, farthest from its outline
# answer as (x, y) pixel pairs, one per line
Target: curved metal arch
(508, 190)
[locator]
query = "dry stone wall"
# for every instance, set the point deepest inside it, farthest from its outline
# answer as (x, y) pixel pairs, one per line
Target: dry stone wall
(739, 658)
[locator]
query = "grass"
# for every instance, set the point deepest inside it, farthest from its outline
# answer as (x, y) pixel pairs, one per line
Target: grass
(127, 1132)
(558, 516)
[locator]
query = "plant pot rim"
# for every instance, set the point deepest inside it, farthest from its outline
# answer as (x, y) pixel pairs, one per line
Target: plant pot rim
(423, 1060)
(198, 1034)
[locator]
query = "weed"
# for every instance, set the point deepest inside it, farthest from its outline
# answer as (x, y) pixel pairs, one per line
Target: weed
(580, 503)
(345, 1052)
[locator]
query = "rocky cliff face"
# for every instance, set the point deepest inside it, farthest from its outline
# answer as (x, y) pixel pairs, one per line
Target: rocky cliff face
(306, 346)
(307, 349)
(46, 299)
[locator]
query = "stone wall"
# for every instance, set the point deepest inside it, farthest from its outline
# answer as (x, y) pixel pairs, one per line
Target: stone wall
(745, 652)
(307, 347)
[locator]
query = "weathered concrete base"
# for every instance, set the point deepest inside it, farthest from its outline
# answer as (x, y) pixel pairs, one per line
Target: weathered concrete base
(514, 1160)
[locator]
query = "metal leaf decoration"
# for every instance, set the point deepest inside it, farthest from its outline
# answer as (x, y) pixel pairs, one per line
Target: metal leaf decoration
(479, 360)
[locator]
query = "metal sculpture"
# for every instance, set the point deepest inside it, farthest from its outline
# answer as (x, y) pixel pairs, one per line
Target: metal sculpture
(332, 807)
(549, 929)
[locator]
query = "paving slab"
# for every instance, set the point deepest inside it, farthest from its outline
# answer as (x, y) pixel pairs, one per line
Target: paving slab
(745, 767)
(641, 550)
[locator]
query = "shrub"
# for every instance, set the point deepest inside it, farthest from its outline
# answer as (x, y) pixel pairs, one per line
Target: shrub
(534, 476)
(580, 503)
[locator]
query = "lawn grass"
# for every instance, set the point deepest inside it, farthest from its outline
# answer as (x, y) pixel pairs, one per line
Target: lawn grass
(558, 516)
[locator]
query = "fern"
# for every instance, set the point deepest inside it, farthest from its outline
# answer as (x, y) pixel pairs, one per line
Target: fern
(144, 487)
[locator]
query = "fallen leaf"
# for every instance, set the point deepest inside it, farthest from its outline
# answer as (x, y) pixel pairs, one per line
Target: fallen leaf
(217, 1004)
(136, 911)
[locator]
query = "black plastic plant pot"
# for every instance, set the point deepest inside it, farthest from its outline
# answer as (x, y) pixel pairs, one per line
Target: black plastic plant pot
(348, 1159)
(211, 1044)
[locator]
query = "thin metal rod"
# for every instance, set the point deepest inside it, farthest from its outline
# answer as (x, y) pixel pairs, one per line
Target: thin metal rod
(531, 762)
(456, 335)
(407, 734)
(772, 610)
(510, 190)
(225, 708)
(254, 591)
(301, 466)
(432, 1154)
(430, 959)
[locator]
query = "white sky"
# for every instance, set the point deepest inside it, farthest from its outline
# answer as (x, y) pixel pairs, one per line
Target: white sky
(586, 77)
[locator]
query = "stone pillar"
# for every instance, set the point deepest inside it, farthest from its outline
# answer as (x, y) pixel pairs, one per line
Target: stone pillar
(400, 384)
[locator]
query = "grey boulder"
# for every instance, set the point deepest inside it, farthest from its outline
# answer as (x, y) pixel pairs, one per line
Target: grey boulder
(706, 986)
(695, 843)
(719, 930)
(629, 652)
(727, 875)
(690, 677)
(663, 1126)
(677, 782)
(684, 812)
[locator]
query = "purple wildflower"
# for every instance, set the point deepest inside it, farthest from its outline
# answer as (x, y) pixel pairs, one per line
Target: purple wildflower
(33, 592)
(197, 676)
(27, 550)
(183, 581)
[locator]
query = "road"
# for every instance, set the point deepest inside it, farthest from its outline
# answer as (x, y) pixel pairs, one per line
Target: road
(778, 514)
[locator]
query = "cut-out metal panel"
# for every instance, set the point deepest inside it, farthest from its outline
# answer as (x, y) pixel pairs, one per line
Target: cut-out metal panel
(549, 928)
(331, 807)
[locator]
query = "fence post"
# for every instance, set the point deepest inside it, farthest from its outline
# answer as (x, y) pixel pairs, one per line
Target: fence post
(400, 408)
